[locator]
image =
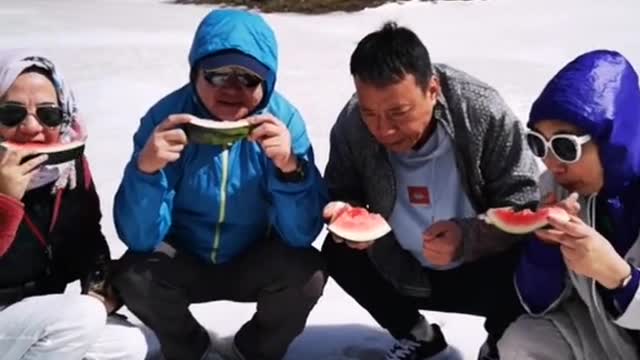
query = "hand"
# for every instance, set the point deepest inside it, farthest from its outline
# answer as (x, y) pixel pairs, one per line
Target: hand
(275, 140)
(569, 204)
(164, 145)
(586, 251)
(15, 177)
(442, 242)
(331, 212)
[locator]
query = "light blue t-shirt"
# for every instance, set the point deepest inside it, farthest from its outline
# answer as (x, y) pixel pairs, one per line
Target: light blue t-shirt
(429, 189)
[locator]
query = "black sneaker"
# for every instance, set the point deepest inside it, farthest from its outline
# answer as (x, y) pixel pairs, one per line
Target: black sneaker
(409, 348)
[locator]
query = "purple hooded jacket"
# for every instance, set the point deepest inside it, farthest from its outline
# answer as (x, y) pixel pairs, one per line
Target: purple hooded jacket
(597, 92)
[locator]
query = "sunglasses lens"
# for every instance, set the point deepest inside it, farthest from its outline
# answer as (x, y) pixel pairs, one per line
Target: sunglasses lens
(565, 149)
(50, 116)
(249, 80)
(215, 78)
(12, 115)
(536, 144)
(220, 78)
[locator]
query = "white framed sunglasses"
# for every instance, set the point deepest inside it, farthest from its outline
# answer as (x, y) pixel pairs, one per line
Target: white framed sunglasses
(567, 148)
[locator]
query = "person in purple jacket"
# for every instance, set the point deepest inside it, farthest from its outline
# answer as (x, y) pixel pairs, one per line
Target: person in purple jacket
(578, 279)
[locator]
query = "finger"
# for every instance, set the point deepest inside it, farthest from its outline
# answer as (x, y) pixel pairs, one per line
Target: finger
(174, 120)
(265, 131)
(174, 136)
(177, 148)
(272, 142)
(11, 157)
(359, 245)
(556, 237)
(337, 239)
(31, 164)
(260, 119)
(169, 156)
(437, 228)
(574, 227)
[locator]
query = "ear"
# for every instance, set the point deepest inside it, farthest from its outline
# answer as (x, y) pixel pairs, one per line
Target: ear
(433, 88)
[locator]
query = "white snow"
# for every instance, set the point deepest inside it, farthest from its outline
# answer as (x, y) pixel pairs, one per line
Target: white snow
(122, 55)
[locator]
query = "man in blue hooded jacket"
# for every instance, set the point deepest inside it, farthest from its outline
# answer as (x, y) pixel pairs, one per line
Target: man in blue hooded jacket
(223, 222)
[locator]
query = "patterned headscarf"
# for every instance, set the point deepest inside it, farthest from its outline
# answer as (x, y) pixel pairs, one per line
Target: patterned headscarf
(12, 64)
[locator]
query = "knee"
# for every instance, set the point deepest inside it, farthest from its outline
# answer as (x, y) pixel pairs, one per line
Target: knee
(314, 287)
(133, 347)
(86, 317)
(514, 340)
(132, 281)
(313, 266)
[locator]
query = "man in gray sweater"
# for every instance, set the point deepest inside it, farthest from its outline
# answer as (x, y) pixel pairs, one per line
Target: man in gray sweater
(429, 148)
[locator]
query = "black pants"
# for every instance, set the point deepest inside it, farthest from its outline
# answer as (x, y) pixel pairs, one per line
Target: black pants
(285, 282)
(484, 288)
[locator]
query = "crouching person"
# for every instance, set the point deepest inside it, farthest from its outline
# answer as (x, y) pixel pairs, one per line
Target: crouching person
(579, 279)
(223, 222)
(50, 231)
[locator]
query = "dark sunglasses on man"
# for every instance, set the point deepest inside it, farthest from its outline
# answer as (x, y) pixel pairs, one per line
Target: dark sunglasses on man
(567, 148)
(220, 77)
(13, 114)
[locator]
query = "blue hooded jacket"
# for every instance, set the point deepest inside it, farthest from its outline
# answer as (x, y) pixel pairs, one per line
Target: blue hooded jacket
(597, 92)
(216, 201)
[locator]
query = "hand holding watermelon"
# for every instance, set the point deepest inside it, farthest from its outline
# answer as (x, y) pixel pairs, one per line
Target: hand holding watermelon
(165, 144)
(354, 226)
(442, 243)
(275, 140)
(569, 204)
(586, 251)
(14, 176)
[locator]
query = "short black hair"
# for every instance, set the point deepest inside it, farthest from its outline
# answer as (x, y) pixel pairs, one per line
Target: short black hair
(385, 56)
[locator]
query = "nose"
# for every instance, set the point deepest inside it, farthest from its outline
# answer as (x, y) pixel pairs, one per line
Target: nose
(31, 125)
(384, 127)
(554, 165)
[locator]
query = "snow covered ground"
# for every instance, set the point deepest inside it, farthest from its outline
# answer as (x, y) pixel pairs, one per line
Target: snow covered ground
(123, 55)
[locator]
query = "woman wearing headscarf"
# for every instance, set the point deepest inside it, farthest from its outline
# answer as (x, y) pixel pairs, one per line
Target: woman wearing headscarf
(50, 231)
(579, 278)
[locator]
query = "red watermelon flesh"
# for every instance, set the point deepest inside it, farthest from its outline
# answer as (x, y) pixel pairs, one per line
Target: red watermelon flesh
(525, 221)
(58, 153)
(357, 224)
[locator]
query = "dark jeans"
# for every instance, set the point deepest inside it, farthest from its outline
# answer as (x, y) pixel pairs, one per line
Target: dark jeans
(484, 288)
(285, 282)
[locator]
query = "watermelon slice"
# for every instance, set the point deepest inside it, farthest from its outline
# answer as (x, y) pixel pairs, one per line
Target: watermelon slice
(211, 132)
(525, 221)
(357, 224)
(58, 153)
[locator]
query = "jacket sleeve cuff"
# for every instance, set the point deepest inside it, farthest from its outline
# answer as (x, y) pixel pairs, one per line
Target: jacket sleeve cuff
(619, 299)
(11, 212)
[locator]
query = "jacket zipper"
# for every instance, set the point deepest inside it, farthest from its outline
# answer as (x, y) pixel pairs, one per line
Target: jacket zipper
(223, 203)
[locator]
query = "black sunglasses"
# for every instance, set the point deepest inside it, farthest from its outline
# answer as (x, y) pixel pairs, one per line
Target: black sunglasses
(13, 114)
(219, 78)
(566, 148)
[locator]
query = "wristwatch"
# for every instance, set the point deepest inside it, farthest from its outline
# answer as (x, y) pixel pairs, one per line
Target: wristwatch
(297, 175)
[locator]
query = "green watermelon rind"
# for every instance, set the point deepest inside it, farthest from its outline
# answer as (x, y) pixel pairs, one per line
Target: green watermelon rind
(57, 153)
(210, 132)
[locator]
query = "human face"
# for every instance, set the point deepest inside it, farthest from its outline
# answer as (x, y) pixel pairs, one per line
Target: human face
(398, 114)
(32, 91)
(584, 175)
(231, 97)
